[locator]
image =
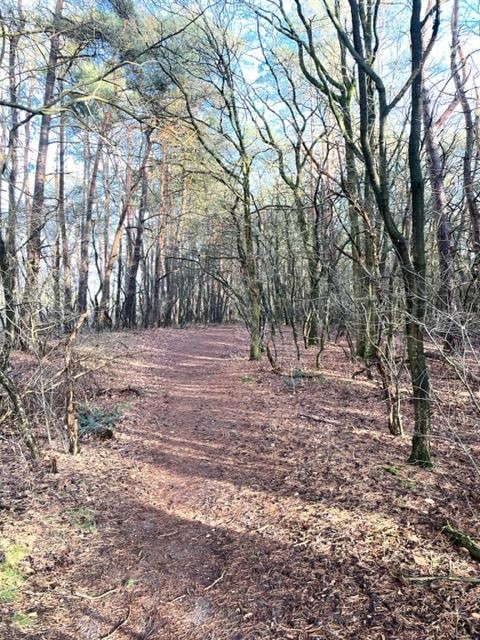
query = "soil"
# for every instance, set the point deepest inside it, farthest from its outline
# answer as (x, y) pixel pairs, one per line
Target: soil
(233, 503)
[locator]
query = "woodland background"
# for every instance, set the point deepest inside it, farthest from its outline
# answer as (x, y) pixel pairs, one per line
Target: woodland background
(185, 185)
(279, 163)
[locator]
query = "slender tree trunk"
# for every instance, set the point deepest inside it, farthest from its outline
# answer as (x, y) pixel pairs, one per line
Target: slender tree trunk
(361, 287)
(160, 240)
(118, 293)
(67, 269)
(129, 222)
(103, 319)
(8, 263)
(57, 274)
(70, 405)
(130, 310)
(37, 219)
(413, 270)
(446, 294)
(459, 72)
(84, 267)
(106, 208)
(416, 297)
(251, 278)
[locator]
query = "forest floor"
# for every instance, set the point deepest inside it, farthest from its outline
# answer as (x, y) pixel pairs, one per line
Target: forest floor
(237, 504)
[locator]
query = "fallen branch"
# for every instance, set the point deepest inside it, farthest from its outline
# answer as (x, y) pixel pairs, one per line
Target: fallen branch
(68, 594)
(118, 626)
(77, 594)
(184, 595)
(467, 579)
(124, 390)
(299, 373)
(317, 419)
(463, 540)
(219, 579)
(129, 389)
(57, 382)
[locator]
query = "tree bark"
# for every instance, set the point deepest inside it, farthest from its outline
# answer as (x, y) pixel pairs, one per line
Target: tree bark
(446, 295)
(130, 308)
(84, 266)
(459, 73)
(37, 218)
(421, 453)
(66, 262)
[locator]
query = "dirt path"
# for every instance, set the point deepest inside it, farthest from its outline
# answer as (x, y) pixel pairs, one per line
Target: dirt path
(219, 511)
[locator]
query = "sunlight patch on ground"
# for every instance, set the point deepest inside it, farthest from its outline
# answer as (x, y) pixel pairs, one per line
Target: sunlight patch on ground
(335, 523)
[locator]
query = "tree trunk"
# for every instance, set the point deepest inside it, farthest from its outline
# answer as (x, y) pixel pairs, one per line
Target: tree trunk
(83, 270)
(413, 270)
(160, 240)
(70, 406)
(8, 268)
(67, 269)
(37, 218)
(420, 454)
(459, 73)
(446, 296)
(130, 310)
(103, 319)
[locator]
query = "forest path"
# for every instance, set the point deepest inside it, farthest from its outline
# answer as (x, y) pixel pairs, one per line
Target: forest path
(221, 511)
(213, 500)
(220, 495)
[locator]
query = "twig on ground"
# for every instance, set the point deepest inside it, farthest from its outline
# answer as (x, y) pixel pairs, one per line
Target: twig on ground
(220, 577)
(168, 535)
(467, 579)
(67, 594)
(98, 597)
(317, 418)
(117, 626)
(184, 595)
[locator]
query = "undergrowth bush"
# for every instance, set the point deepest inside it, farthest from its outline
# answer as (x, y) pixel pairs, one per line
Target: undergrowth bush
(94, 421)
